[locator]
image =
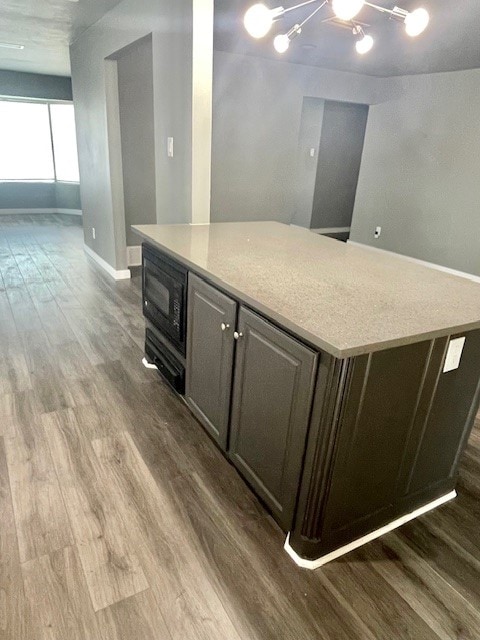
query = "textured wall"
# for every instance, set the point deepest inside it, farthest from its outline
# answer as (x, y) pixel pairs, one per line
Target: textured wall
(94, 77)
(257, 111)
(135, 88)
(27, 195)
(419, 178)
(67, 196)
(32, 85)
(39, 195)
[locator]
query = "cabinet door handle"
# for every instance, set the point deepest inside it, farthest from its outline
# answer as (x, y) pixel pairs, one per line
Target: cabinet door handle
(225, 327)
(237, 335)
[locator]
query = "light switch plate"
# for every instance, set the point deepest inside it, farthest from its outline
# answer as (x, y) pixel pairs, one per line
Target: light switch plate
(170, 147)
(454, 354)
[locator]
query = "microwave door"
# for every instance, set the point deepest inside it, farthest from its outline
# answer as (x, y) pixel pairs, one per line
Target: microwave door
(158, 291)
(164, 302)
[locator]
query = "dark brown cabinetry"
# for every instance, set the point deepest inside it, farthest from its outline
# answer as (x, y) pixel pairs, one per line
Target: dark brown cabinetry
(339, 449)
(386, 435)
(211, 322)
(274, 378)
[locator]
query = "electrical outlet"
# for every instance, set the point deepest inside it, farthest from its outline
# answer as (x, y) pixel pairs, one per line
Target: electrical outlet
(378, 232)
(312, 152)
(170, 147)
(94, 235)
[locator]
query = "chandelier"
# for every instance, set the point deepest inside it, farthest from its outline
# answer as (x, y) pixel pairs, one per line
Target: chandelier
(259, 20)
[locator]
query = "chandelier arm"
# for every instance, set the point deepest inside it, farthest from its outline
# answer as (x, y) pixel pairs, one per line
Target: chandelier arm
(303, 4)
(397, 12)
(312, 14)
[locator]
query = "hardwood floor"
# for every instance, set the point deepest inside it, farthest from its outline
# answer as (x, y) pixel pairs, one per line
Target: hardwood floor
(120, 520)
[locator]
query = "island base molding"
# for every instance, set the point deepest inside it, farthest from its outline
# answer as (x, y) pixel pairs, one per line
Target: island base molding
(305, 563)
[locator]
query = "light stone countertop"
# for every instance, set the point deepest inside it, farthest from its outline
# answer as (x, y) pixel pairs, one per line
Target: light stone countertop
(341, 298)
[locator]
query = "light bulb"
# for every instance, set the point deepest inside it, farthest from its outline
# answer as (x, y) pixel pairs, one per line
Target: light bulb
(416, 22)
(281, 43)
(364, 45)
(258, 20)
(347, 9)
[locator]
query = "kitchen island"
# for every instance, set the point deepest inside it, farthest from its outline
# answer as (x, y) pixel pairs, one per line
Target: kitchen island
(341, 383)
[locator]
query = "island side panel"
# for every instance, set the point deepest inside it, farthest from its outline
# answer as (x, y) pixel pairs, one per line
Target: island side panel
(392, 447)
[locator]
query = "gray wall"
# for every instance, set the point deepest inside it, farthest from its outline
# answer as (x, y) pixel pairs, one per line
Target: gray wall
(311, 122)
(67, 196)
(420, 173)
(27, 195)
(39, 195)
(257, 111)
(135, 89)
(33, 85)
(94, 78)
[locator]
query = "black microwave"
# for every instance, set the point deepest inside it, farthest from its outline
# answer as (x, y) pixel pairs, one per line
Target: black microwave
(164, 286)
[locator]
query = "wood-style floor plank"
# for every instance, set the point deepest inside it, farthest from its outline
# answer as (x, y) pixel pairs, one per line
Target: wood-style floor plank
(130, 522)
(46, 376)
(111, 566)
(291, 612)
(56, 591)
(40, 515)
(185, 594)
(136, 617)
(382, 606)
(14, 612)
(447, 612)
(14, 373)
(447, 556)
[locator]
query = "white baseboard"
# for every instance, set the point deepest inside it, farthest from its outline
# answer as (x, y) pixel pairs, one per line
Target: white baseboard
(331, 230)
(68, 212)
(149, 365)
(319, 562)
(134, 256)
(11, 212)
(123, 274)
(432, 265)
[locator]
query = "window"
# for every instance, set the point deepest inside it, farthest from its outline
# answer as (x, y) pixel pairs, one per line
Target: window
(64, 142)
(37, 142)
(25, 143)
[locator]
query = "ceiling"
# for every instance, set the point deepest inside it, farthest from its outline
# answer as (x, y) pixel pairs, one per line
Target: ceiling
(46, 28)
(450, 43)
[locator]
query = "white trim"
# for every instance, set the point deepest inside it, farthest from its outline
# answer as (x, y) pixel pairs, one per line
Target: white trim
(432, 265)
(69, 212)
(116, 275)
(202, 99)
(148, 365)
(319, 562)
(332, 230)
(9, 212)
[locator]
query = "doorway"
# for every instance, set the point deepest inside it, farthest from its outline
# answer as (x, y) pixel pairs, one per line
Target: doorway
(135, 99)
(339, 157)
(330, 152)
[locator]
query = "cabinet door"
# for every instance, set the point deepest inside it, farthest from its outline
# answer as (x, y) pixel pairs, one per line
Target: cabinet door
(273, 387)
(210, 345)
